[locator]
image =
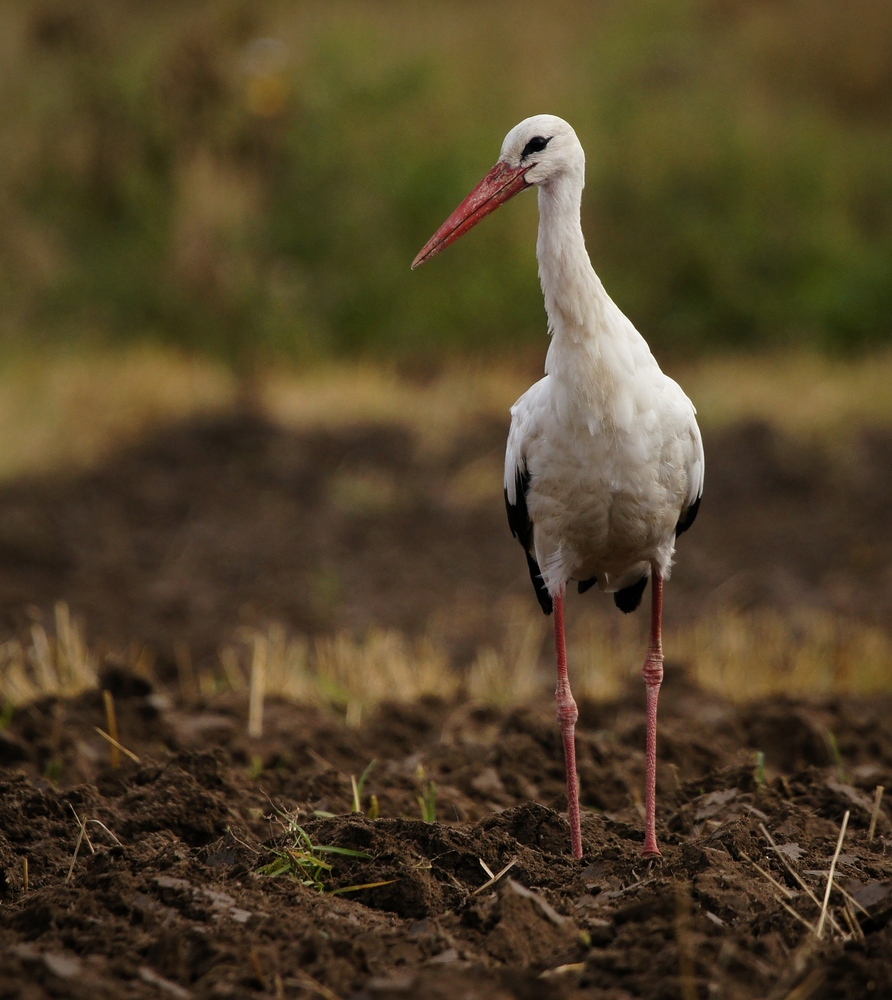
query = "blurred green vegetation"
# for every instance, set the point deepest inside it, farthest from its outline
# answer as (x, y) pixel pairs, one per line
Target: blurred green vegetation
(251, 179)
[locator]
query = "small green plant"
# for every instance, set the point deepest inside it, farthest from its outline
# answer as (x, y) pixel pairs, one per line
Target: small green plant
(359, 787)
(760, 768)
(833, 744)
(6, 714)
(427, 799)
(305, 861)
(53, 770)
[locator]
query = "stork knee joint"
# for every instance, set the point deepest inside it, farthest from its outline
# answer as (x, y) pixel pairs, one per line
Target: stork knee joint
(567, 712)
(567, 716)
(652, 672)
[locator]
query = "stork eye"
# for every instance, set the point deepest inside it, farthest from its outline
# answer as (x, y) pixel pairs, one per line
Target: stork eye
(535, 145)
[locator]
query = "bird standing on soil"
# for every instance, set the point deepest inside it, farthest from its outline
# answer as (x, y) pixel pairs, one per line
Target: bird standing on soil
(604, 465)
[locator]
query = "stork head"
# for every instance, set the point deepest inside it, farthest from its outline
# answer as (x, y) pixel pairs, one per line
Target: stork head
(542, 147)
(536, 152)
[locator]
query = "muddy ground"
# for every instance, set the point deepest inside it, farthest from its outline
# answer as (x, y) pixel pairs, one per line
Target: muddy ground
(193, 880)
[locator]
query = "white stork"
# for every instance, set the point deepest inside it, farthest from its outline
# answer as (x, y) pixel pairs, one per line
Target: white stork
(604, 466)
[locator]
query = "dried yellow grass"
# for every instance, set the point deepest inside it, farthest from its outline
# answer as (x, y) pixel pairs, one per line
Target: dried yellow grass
(62, 411)
(749, 655)
(741, 656)
(49, 663)
(802, 393)
(70, 411)
(340, 671)
(512, 674)
(435, 409)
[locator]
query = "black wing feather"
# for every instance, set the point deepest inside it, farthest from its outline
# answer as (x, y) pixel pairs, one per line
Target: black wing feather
(687, 518)
(522, 529)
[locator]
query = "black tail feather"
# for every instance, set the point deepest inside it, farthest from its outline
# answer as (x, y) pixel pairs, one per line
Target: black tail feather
(628, 599)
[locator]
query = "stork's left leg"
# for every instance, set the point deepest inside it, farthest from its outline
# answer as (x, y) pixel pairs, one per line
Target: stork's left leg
(567, 715)
(653, 677)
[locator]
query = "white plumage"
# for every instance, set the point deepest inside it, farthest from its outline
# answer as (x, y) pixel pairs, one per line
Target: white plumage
(604, 464)
(613, 453)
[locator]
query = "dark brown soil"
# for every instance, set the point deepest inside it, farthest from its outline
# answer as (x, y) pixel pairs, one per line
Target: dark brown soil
(207, 527)
(175, 902)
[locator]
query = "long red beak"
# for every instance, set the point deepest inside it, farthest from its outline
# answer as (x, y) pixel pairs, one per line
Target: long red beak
(500, 184)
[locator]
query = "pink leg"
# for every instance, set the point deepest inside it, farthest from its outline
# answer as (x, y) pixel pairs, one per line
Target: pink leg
(567, 715)
(653, 677)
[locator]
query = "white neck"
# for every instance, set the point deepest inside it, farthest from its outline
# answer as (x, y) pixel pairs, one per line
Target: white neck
(568, 280)
(589, 333)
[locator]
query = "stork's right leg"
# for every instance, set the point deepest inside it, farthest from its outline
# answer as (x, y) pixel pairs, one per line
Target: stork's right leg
(567, 714)
(653, 678)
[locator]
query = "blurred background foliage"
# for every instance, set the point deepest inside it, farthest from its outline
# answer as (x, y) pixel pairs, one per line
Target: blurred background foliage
(252, 180)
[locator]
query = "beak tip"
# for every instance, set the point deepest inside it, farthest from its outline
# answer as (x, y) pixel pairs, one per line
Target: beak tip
(423, 255)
